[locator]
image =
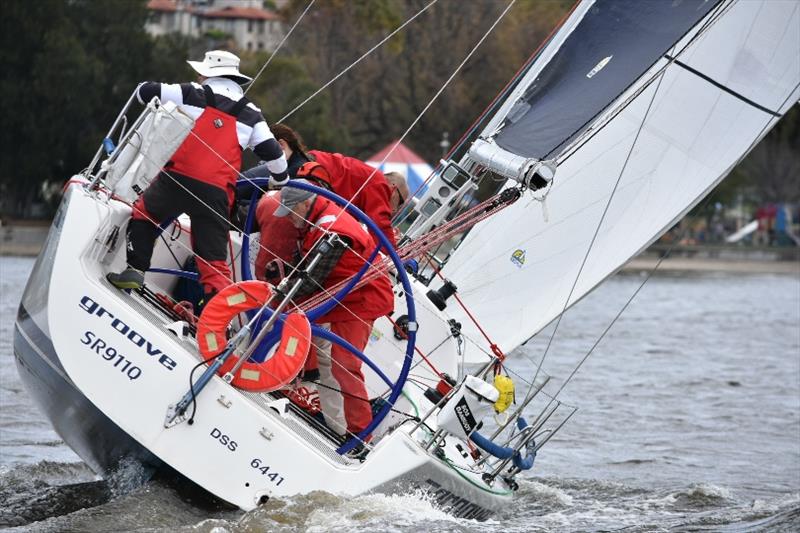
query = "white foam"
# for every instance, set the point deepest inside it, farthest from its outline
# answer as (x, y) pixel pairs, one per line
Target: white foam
(375, 509)
(706, 489)
(540, 489)
(129, 475)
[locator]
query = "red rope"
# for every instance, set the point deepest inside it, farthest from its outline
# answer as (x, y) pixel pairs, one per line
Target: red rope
(494, 347)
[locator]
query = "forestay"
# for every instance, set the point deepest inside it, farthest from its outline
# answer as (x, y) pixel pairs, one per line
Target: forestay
(693, 112)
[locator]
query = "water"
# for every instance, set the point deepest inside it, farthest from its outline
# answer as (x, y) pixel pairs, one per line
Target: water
(689, 420)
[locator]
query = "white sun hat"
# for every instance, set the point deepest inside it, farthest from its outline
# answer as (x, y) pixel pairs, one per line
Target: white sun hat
(220, 63)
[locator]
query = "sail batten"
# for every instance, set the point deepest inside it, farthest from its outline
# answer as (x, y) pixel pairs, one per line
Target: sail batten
(515, 271)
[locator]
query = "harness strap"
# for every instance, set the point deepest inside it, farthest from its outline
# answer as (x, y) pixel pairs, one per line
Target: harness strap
(239, 106)
(211, 100)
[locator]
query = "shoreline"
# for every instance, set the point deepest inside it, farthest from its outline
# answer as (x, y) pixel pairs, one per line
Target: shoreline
(27, 240)
(694, 264)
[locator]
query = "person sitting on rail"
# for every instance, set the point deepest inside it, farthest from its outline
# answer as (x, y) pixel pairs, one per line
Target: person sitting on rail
(343, 395)
(201, 176)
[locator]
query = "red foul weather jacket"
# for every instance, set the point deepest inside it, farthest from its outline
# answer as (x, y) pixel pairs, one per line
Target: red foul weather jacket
(348, 174)
(368, 302)
(211, 153)
(279, 238)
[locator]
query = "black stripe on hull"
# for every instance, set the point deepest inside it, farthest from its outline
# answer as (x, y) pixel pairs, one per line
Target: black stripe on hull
(91, 434)
(102, 444)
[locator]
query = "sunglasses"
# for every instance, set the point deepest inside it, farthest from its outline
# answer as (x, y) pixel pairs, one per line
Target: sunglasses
(402, 200)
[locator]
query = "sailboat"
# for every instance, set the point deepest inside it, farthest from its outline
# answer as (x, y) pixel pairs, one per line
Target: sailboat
(626, 117)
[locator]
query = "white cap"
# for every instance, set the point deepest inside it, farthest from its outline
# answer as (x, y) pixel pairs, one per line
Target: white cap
(220, 63)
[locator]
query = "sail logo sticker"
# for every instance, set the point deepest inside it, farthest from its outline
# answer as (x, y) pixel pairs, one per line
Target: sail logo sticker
(598, 67)
(518, 258)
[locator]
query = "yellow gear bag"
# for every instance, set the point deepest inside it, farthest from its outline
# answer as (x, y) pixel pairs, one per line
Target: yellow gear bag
(505, 387)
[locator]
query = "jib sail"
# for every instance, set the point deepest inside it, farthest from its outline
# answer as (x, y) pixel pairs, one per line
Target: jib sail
(648, 153)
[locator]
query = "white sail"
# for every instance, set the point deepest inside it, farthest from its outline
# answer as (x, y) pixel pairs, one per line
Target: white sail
(658, 157)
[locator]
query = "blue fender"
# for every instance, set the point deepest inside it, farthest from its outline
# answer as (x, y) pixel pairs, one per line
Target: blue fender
(503, 452)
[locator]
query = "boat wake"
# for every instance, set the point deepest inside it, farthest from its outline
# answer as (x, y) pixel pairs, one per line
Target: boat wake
(39, 491)
(45, 497)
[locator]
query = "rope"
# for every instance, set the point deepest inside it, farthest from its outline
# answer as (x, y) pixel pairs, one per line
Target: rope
(416, 348)
(280, 45)
(661, 259)
(357, 61)
(492, 345)
(435, 237)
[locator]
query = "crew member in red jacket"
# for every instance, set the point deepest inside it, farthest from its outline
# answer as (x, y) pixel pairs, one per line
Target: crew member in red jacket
(200, 178)
(350, 178)
(344, 398)
(277, 241)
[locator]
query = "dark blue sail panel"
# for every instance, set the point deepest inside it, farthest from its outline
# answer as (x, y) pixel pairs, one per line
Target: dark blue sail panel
(614, 44)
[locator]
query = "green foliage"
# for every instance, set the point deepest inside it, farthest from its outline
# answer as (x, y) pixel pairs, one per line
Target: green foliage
(218, 35)
(69, 67)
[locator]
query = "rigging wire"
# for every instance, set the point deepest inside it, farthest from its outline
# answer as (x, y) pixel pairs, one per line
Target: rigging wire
(357, 61)
(596, 233)
(430, 102)
(669, 250)
(280, 45)
(494, 104)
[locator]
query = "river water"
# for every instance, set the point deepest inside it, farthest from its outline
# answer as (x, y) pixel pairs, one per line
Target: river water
(689, 420)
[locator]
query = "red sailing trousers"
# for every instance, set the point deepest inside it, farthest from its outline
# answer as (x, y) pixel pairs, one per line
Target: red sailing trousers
(340, 370)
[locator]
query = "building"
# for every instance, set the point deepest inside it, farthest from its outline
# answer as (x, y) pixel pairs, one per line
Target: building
(245, 23)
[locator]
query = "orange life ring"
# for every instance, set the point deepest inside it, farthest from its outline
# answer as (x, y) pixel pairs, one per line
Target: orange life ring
(272, 374)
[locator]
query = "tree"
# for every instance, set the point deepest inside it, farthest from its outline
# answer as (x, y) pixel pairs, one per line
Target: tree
(70, 66)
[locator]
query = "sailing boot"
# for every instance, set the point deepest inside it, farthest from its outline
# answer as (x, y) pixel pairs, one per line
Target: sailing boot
(130, 278)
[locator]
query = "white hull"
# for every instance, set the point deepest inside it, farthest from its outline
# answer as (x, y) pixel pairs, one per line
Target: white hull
(114, 358)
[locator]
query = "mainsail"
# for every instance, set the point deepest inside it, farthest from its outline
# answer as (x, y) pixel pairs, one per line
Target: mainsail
(644, 115)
